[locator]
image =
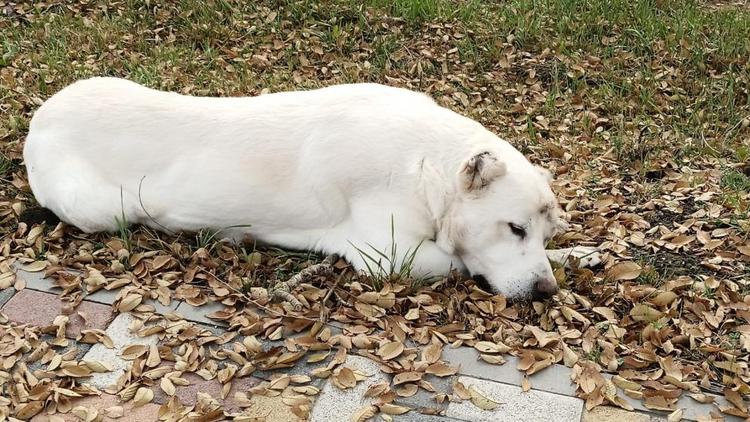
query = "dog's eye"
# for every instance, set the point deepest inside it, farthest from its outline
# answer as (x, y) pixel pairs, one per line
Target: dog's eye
(517, 230)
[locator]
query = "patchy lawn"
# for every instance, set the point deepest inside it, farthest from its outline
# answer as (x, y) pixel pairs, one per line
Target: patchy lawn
(641, 108)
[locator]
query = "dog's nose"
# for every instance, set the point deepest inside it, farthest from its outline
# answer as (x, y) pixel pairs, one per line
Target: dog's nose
(545, 288)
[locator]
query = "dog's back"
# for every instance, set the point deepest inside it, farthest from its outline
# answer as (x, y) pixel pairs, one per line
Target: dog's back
(106, 147)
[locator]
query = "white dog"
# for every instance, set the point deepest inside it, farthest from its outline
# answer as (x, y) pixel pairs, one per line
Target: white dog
(327, 170)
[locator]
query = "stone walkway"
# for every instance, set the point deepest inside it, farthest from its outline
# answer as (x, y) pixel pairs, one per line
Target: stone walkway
(551, 397)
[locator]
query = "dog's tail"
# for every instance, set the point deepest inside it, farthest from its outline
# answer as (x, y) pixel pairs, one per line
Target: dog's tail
(38, 215)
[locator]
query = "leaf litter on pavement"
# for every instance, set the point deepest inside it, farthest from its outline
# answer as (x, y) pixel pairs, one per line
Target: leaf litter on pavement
(650, 158)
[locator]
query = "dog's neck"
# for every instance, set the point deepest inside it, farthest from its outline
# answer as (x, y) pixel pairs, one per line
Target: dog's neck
(438, 190)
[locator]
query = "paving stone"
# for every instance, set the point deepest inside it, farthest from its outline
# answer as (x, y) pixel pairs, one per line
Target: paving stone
(424, 399)
(554, 379)
(301, 367)
(108, 297)
(39, 369)
(241, 385)
(188, 394)
(36, 280)
(615, 414)
(198, 313)
(271, 409)
(517, 405)
(121, 337)
(40, 309)
(334, 404)
(692, 409)
(6, 294)
(148, 412)
(420, 417)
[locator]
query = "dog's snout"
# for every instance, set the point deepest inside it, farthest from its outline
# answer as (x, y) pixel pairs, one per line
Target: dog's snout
(545, 288)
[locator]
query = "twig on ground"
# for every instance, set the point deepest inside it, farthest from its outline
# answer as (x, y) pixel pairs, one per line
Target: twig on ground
(323, 308)
(265, 308)
(283, 289)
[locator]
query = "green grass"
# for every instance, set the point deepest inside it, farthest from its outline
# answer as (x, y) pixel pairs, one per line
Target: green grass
(671, 76)
(419, 11)
(387, 264)
(6, 166)
(206, 238)
(734, 180)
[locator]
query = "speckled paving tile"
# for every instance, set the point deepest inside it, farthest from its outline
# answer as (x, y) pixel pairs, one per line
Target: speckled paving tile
(40, 309)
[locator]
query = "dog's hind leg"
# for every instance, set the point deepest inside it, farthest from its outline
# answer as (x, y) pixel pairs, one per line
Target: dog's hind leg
(585, 256)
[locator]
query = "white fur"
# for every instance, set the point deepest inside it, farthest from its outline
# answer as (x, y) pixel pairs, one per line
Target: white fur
(316, 170)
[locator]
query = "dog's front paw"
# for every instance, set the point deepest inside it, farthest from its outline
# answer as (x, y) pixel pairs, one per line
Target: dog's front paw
(588, 256)
(585, 256)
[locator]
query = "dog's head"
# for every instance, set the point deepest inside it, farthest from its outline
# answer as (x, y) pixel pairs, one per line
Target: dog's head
(504, 214)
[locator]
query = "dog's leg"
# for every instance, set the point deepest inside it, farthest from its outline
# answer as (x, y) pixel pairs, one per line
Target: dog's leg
(587, 256)
(430, 261)
(421, 260)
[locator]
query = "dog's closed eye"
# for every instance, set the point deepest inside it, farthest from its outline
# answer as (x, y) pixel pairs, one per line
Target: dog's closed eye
(517, 230)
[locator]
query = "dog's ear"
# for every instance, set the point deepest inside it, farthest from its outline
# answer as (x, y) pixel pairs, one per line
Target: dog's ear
(545, 173)
(479, 171)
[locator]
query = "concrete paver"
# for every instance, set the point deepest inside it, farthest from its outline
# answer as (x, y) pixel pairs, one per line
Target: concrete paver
(615, 414)
(40, 309)
(335, 404)
(108, 297)
(553, 379)
(420, 417)
(552, 396)
(271, 409)
(36, 280)
(424, 399)
(121, 337)
(517, 405)
(692, 409)
(147, 412)
(6, 294)
(198, 314)
(188, 394)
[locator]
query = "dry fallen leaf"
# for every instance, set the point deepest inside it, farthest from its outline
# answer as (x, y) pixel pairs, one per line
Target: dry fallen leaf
(364, 413)
(35, 266)
(481, 401)
(143, 396)
(403, 377)
(432, 353)
(390, 350)
(675, 416)
(441, 370)
(344, 378)
(645, 313)
(624, 271)
(167, 386)
(392, 409)
(490, 347)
